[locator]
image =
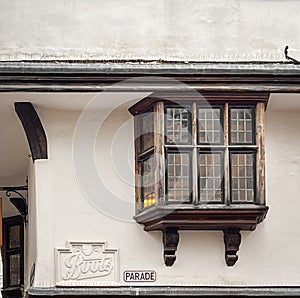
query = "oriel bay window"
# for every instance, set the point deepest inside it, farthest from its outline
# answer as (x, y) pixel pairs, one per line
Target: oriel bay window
(200, 166)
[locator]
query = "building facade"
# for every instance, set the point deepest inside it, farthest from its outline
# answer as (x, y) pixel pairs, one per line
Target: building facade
(150, 148)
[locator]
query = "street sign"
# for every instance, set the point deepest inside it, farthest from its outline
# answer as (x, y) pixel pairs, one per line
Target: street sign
(139, 276)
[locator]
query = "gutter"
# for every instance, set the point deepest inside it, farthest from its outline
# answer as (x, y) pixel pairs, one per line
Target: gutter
(87, 76)
(147, 68)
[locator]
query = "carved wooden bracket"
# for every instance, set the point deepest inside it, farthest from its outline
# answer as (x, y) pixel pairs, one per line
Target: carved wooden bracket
(170, 241)
(33, 128)
(229, 220)
(232, 241)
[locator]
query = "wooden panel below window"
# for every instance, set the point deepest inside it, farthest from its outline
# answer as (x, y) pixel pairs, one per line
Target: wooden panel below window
(193, 218)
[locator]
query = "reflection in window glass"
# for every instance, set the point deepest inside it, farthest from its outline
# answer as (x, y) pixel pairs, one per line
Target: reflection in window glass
(147, 138)
(211, 175)
(14, 269)
(12, 251)
(241, 125)
(210, 127)
(242, 179)
(148, 181)
(179, 177)
(177, 125)
(14, 236)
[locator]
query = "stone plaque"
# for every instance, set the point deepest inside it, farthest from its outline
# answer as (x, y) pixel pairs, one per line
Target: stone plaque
(87, 264)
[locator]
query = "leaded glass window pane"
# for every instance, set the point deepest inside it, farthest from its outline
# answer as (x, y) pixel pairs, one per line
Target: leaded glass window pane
(241, 125)
(14, 236)
(210, 126)
(242, 177)
(211, 175)
(147, 129)
(148, 182)
(179, 177)
(177, 125)
(14, 269)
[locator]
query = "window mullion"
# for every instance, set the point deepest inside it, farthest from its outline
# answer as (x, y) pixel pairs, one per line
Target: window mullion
(138, 170)
(159, 152)
(260, 156)
(226, 157)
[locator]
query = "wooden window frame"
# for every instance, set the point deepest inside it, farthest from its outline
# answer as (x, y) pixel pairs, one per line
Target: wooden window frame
(249, 106)
(205, 151)
(185, 106)
(179, 151)
(213, 106)
(8, 288)
(255, 190)
(193, 145)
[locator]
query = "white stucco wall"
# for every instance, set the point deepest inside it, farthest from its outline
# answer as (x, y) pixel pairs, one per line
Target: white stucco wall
(268, 256)
(216, 30)
(30, 228)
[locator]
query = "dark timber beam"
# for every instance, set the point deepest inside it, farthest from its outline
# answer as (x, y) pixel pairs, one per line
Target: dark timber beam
(33, 128)
(95, 76)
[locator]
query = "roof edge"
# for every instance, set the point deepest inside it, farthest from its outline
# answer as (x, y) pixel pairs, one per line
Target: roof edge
(148, 68)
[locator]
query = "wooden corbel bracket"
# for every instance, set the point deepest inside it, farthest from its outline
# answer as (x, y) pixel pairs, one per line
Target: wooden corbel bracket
(170, 241)
(229, 220)
(232, 241)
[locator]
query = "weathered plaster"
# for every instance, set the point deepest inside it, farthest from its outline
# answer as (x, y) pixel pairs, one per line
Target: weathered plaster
(218, 30)
(200, 256)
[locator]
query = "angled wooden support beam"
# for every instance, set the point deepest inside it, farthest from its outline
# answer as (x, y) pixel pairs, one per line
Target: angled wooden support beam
(34, 130)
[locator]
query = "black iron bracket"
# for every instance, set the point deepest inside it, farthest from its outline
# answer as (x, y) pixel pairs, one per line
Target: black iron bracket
(17, 198)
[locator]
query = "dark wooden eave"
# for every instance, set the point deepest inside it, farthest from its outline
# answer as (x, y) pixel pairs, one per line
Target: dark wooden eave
(214, 218)
(82, 76)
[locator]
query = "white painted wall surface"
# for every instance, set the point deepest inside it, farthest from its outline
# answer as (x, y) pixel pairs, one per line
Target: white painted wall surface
(216, 30)
(267, 256)
(30, 238)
